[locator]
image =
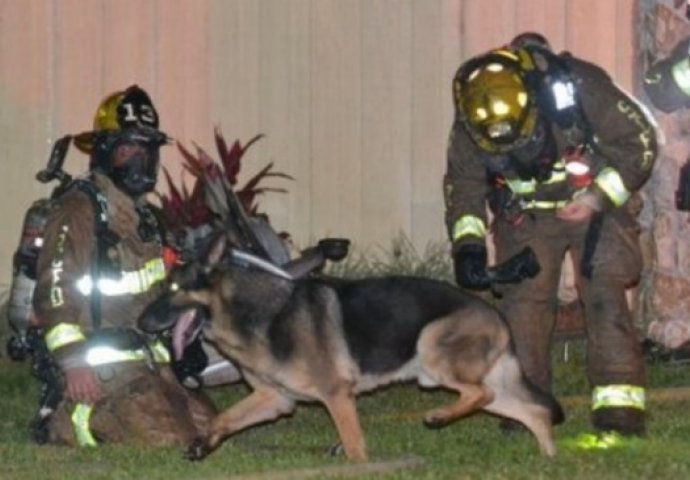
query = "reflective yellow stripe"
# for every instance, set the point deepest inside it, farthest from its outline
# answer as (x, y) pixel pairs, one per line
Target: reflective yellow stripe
(606, 396)
(610, 181)
(129, 283)
(600, 441)
(160, 353)
(80, 423)
(523, 187)
(469, 225)
(681, 75)
(104, 354)
(63, 334)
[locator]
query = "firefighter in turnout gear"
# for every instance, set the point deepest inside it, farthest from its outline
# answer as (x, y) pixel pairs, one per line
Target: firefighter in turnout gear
(667, 84)
(555, 150)
(100, 264)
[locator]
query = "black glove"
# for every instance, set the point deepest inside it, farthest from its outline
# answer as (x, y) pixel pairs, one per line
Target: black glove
(517, 268)
(470, 267)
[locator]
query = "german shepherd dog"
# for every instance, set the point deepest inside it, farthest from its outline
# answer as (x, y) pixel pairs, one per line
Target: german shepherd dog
(328, 340)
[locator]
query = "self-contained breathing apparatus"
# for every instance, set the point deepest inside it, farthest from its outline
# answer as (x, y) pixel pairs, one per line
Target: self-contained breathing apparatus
(28, 340)
(548, 76)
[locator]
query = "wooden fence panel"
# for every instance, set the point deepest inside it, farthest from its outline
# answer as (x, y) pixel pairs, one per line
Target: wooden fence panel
(353, 96)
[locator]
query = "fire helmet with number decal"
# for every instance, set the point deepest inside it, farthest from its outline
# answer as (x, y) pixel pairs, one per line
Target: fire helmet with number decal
(125, 140)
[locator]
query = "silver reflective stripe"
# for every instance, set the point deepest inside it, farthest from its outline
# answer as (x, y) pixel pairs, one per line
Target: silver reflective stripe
(104, 354)
(681, 75)
(129, 283)
(80, 424)
(63, 334)
(261, 263)
(610, 181)
(606, 396)
(544, 204)
(469, 225)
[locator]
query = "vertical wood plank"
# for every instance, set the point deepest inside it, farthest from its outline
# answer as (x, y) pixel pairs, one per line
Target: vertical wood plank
(430, 96)
(623, 69)
(76, 50)
(180, 74)
(595, 43)
(128, 43)
(487, 24)
(234, 32)
(284, 113)
(386, 120)
(544, 16)
(336, 130)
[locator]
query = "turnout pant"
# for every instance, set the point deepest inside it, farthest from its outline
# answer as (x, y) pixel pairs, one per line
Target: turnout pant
(141, 405)
(614, 357)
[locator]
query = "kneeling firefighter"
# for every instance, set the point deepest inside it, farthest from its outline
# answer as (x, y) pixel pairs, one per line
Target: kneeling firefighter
(556, 149)
(100, 265)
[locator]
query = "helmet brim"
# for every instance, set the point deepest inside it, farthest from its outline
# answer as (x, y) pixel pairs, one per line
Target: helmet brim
(85, 141)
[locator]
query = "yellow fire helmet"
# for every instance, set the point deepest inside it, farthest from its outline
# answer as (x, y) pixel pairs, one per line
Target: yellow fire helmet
(131, 107)
(493, 101)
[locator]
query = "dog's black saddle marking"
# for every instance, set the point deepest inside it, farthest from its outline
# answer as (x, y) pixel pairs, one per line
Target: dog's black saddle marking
(383, 317)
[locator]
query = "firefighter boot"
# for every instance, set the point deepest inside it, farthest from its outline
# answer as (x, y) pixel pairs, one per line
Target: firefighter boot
(624, 420)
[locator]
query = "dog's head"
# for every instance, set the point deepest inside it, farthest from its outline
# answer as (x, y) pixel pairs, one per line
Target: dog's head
(184, 307)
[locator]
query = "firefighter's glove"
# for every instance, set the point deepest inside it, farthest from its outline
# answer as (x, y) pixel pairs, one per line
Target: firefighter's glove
(470, 267)
(516, 269)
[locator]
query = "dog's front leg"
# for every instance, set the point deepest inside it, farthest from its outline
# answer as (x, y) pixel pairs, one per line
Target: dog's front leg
(343, 410)
(264, 404)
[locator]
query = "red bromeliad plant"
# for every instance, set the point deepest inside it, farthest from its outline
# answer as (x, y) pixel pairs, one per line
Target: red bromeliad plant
(185, 207)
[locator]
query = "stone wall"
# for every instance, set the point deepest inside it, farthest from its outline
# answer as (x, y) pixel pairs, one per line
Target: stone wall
(664, 293)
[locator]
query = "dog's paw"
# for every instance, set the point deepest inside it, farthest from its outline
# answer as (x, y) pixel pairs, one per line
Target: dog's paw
(197, 450)
(336, 450)
(435, 420)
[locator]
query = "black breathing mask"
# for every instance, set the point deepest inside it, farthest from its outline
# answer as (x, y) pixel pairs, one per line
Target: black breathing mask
(535, 159)
(130, 158)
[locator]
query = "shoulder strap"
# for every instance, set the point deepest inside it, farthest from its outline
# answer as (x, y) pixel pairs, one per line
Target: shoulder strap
(98, 201)
(557, 95)
(103, 234)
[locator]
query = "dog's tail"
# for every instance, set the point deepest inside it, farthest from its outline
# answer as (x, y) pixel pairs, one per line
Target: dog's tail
(547, 400)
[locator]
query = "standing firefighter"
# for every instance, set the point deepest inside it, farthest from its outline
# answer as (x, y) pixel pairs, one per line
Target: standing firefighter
(557, 150)
(100, 264)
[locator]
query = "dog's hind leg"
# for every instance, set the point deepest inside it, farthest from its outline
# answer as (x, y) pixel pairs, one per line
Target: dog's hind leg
(264, 404)
(472, 398)
(514, 398)
(457, 354)
(343, 411)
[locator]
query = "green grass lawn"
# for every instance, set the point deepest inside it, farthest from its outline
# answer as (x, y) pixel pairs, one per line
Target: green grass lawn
(399, 445)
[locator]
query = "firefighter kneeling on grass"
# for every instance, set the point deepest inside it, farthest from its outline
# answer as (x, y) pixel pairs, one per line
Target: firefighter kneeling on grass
(558, 150)
(100, 265)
